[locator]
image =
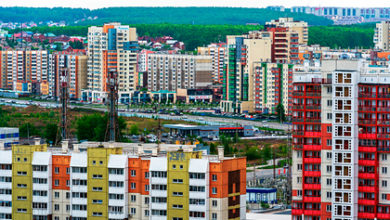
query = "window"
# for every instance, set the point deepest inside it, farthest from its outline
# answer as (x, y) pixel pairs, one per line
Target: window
(101, 162)
(329, 169)
(22, 197)
(146, 212)
(384, 183)
(133, 186)
(159, 187)
(329, 116)
(214, 216)
(328, 195)
(56, 182)
(115, 196)
(384, 196)
(97, 201)
(329, 102)
(177, 180)
(133, 173)
(35, 193)
(329, 155)
(146, 200)
(328, 208)
(56, 207)
(67, 182)
(79, 169)
(57, 195)
(329, 182)
(214, 177)
(177, 194)
(56, 170)
(214, 203)
(67, 195)
(299, 179)
(384, 156)
(146, 187)
(133, 198)
(299, 166)
(174, 166)
(97, 176)
(176, 206)
(117, 184)
(22, 173)
(384, 170)
(97, 189)
(329, 142)
(133, 211)
(197, 202)
(299, 192)
(94, 162)
(197, 188)
(197, 176)
(181, 167)
(146, 175)
(214, 190)
(97, 214)
(67, 170)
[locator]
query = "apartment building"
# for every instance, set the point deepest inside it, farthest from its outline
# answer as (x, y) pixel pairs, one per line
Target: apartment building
(22, 70)
(113, 45)
(171, 72)
(120, 181)
(217, 52)
(273, 86)
(238, 82)
(382, 35)
(341, 141)
(76, 65)
(299, 27)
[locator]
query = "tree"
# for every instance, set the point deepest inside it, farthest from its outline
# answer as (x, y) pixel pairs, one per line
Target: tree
(50, 133)
(134, 129)
(76, 44)
(93, 127)
(280, 113)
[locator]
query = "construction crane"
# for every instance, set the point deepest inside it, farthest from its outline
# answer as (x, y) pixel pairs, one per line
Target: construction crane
(112, 132)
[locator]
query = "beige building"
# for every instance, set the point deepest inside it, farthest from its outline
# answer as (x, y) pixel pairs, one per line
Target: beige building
(243, 52)
(76, 63)
(171, 72)
(111, 46)
(382, 36)
(217, 52)
(299, 27)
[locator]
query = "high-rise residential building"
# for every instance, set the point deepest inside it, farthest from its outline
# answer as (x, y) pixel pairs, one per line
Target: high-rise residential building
(24, 70)
(238, 81)
(273, 86)
(120, 181)
(217, 52)
(172, 71)
(76, 65)
(111, 46)
(341, 141)
(299, 27)
(382, 35)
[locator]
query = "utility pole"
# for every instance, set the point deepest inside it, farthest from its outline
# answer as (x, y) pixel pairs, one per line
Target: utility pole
(64, 106)
(112, 87)
(273, 157)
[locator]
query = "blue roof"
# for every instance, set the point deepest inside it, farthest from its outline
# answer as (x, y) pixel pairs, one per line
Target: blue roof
(260, 190)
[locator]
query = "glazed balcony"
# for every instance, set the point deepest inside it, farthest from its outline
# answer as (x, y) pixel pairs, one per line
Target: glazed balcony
(296, 211)
(312, 147)
(367, 136)
(366, 201)
(370, 189)
(313, 134)
(312, 173)
(312, 160)
(366, 215)
(366, 175)
(298, 93)
(314, 199)
(383, 215)
(383, 136)
(312, 186)
(367, 149)
(312, 212)
(367, 121)
(383, 95)
(313, 107)
(366, 162)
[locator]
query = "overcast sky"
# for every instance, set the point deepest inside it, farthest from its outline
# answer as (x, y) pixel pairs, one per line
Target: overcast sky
(230, 3)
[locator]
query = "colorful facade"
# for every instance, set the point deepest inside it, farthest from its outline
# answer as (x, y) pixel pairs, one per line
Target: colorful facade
(105, 182)
(340, 142)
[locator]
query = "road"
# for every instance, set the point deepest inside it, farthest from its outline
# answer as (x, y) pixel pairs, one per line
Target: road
(198, 119)
(266, 173)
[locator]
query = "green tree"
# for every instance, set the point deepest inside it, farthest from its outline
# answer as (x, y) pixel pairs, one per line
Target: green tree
(50, 133)
(253, 153)
(280, 113)
(134, 129)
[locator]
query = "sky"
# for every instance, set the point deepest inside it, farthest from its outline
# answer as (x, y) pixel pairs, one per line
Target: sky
(93, 4)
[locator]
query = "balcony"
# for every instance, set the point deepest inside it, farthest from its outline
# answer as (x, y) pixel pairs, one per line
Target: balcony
(367, 122)
(296, 212)
(366, 215)
(313, 120)
(298, 107)
(383, 109)
(363, 162)
(312, 199)
(367, 136)
(383, 136)
(312, 160)
(313, 107)
(312, 212)
(370, 189)
(367, 95)
(298, 133)
(367, 149)
(383, 95)
(298, 119)
(366, 202)
(298, 94)
(312, 173)
(383, 122)
(366, 175)
(383, 215)
(312, 134)
(312, 186)
(312, 147)
(313, 94)
(367, 109)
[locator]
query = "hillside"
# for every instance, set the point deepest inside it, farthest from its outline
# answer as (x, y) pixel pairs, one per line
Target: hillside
(153, 15)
